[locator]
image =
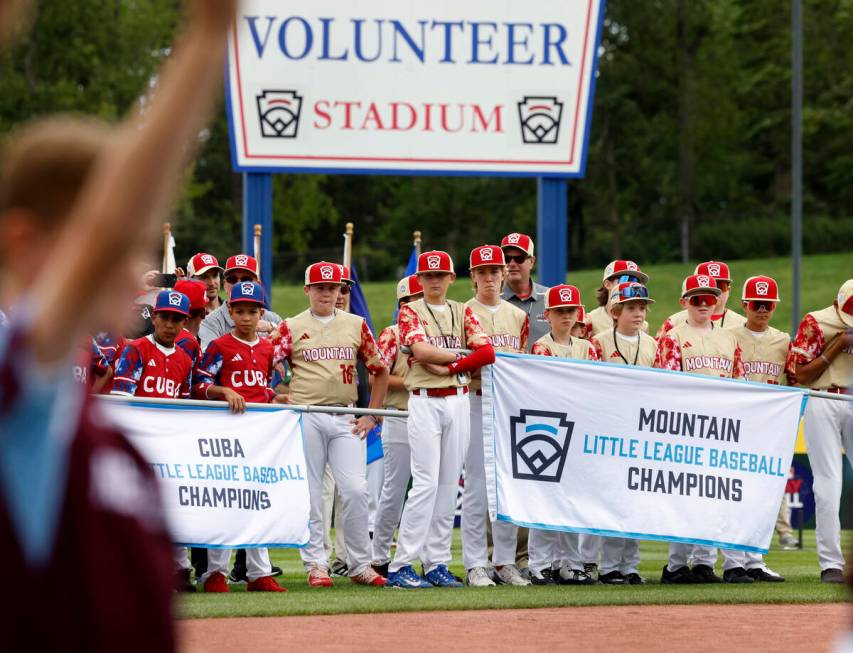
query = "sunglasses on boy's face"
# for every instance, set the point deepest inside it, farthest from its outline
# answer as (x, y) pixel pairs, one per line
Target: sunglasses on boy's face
(757, 305)
(235, 278)
(516, 258)
(703, 300)
(627, 278)
(634, 292)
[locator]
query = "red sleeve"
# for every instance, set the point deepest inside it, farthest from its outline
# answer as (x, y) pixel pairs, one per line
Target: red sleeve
(411, 329)
(809, 342)
(388, 346)
(282, 340)
(668, 354)
(665, 328)
(525, 333)
(483, 355)
(368, 352)
(738, 371)
(599, 352)
(475, 337)
(540, 350)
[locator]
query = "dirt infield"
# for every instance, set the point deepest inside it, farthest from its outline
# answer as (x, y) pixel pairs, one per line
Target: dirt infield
(694, 628)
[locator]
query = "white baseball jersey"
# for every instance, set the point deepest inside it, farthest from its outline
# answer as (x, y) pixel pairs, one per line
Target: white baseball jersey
(712, 353)
(764, 354)
(599, 320)
(613, 347)
(506, 325)
(728, 319)
(577, 348)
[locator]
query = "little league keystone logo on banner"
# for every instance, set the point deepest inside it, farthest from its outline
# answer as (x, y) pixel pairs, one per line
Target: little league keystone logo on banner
(675, 457)
(232, 481)
(398, 86)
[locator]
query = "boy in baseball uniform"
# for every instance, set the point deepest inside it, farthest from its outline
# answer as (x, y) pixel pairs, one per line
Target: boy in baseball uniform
(438, 423)
(237, 368)
(701, 346)
(764, 351)
(322, 345)
(723, 317)
(154, 366)
(822, 359)
(625, 343)
(599, 319)
(547, 548)
(507, 328)
(395, 437)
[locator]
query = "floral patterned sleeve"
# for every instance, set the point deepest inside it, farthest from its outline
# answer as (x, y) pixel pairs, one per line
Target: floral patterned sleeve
(411, 329)
(525, 334)
(282, 342)
(540, 349)
(808, 343)
(738, 371)
(387, 344)
(368, 352)
(665, 328)
(599, 352)
(475, 337)
(592, 354)
(668, 355)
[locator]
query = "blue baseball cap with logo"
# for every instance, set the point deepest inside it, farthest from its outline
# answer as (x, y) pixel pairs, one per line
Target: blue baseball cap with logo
(247, 291)
(170, 301)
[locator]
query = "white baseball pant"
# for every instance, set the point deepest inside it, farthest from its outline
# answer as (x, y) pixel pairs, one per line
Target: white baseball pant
(182, 558)
(547, 549)
(329, 439)
(257, 563)
(475, 508)
(590, 548)
(328, 508)
(438, 430)
(828, 427)
(680, 555)
(397, 468)
(620, 554)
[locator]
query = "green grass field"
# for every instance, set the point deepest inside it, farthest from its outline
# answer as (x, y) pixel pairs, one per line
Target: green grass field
(800, 569)
(822, 275)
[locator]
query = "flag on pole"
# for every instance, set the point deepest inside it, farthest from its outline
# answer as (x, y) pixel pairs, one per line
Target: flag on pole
(357, 302)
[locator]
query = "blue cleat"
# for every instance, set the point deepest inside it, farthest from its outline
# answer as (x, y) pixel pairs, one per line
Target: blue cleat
(406, 578)
(441, 577)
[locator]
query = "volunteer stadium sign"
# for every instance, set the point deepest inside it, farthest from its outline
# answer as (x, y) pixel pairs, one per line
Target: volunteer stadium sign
(445, 87)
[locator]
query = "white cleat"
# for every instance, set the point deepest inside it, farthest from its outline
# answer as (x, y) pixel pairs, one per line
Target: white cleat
(478, 577)
(510, 575)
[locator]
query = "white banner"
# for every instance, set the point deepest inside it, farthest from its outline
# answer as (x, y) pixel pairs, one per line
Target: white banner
(227, 481)
(397, 86)
(636, 452)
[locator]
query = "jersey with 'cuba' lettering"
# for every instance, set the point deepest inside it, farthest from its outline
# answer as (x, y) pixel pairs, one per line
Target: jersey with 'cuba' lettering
(245, 367)
(764, 354)
(323, 356)
(147, 369)
(713, 353)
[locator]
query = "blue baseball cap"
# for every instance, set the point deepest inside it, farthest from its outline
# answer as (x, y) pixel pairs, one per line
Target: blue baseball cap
(247, 291)
(172, 302)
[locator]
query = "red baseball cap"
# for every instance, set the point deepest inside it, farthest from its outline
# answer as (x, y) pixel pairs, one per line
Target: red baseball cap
(620, 268)
(699, 284)
(201, 263)
(195, 290)
(345, 276)
(519, 241)
(716, 269)
(582, 314)
(242, 262)
(486, 255)
(435, 261)
(409, 286)
(324, 272)
(563, 295)
(760, 289)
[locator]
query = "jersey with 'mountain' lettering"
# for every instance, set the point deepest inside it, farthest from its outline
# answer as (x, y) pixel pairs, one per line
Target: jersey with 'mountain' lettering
(613, 347)
(507, 326)
(454, 327)
(577, 348)
(763, 354)
(712, 353)
(245, 367)
(323, 356)
(147, 369)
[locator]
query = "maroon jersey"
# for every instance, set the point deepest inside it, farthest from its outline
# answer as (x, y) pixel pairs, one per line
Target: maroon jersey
(147, 369)
(244, 367)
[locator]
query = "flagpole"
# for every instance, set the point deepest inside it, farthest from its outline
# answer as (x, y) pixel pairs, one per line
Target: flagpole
(257, 245)
(348, 245)
(167, 237)
(417, 242)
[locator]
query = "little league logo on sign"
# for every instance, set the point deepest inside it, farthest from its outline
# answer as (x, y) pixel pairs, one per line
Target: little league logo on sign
(278, 112)
(405, 87)
(540, 119)
(539, 441)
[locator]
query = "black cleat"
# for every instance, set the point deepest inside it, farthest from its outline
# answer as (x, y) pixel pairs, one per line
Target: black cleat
(544, 577)
(568, 576)
(832, 576)
(382, 569)
(705, 574)
(238, 574)
(183, 582)
(339, 568)
(764, 575)
(635, 579)
(276, 571)
(681, 576)
(737, 575)
(613, 578)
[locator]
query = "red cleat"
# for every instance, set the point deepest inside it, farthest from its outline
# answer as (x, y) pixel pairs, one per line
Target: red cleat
(319, 577)
(369, 577)
(215, 584)
(264, 584)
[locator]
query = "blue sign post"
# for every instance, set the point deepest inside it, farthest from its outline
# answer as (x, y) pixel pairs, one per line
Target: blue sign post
(257, 209)
(552, 227)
